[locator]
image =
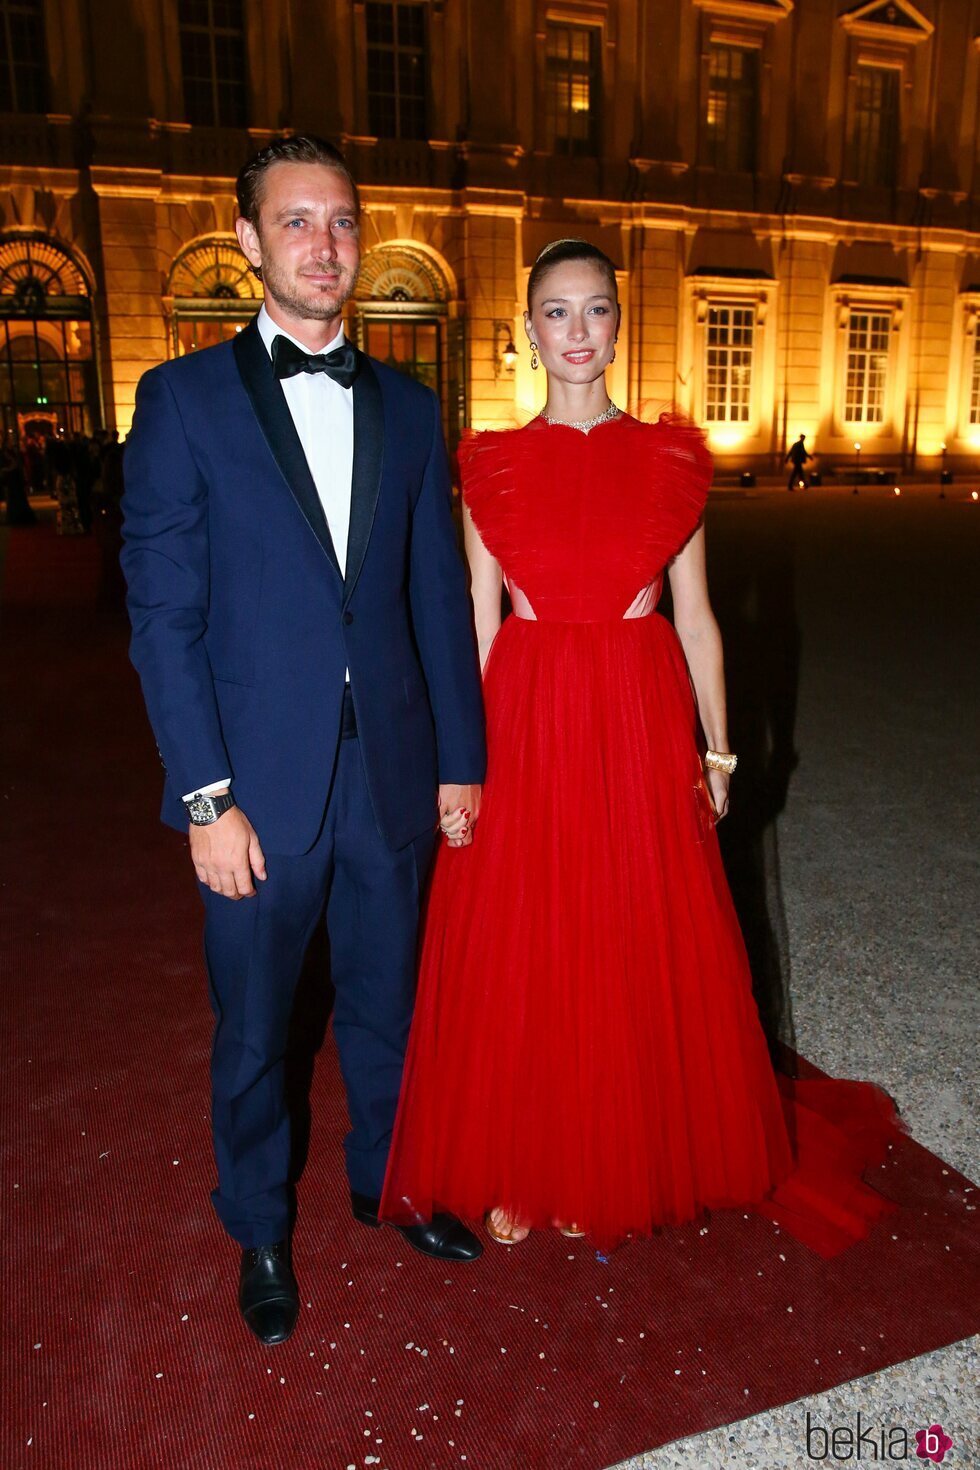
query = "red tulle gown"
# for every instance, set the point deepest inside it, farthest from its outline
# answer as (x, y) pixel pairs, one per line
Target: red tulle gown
(586, 1047)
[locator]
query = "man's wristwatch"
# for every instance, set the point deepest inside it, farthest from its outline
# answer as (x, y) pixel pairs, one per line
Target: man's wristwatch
(203, 810)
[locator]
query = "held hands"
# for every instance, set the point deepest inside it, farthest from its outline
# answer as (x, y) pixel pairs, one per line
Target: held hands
(459, 807)
(226, 853)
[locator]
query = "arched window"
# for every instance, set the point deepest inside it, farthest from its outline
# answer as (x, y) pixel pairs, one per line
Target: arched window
(407, 316)
(48, 375)
(212, 293)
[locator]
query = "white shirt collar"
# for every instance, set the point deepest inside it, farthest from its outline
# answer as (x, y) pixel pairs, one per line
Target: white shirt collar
(270, 330)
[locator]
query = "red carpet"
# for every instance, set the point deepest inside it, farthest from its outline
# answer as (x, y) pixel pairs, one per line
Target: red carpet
(122, 1344)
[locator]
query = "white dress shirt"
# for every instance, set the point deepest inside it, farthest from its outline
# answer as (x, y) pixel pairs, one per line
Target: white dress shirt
(323, 413)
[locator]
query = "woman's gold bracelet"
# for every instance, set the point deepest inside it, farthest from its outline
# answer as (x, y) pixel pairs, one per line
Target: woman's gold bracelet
(717, 760)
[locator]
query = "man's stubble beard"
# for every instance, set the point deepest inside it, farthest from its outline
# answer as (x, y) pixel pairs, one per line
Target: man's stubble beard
(317, 306)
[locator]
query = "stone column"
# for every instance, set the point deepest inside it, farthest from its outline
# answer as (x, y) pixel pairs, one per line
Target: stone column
(656, 300)
(137, 334)
(492, 225)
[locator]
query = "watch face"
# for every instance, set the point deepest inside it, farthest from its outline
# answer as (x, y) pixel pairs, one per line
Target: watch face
(201, 811)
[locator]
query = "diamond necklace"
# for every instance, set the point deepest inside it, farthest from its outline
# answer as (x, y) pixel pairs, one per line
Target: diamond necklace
(612, 412)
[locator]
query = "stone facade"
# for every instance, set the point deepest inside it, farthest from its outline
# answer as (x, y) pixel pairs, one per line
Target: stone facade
(775, 282)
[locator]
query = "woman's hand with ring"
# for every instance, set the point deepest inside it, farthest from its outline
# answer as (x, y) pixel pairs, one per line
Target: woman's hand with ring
(455, 827)
(459, 807)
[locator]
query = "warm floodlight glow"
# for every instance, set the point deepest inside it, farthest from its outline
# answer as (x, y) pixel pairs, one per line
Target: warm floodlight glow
(727, 438)
(898, 489)
(975, 495)
(858, 448)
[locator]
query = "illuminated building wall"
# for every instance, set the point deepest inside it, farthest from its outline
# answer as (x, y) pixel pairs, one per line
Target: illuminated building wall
(787, 191)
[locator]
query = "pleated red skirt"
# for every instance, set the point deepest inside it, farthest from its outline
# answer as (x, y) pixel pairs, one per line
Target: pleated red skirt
(586, 1046)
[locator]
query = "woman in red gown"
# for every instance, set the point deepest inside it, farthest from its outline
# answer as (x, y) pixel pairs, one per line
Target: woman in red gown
(586, 1052)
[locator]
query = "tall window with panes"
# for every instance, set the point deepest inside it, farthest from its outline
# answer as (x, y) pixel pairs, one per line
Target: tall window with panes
(728, 367)
(23, 57)
(397, 67)
(212, 56)
(732, 108)
(571, 88)
(868, 339)
(975, 384)
(875, 130)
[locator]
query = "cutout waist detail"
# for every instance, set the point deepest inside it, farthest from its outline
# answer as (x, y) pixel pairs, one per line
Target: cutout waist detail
(644, 604)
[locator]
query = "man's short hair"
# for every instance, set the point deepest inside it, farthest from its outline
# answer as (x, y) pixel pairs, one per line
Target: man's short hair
(296, 148)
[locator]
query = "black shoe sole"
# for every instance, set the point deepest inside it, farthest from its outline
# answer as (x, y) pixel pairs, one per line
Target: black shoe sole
(269, 1341)
(433, 1255)
(272, 1339)
(364, 1218)
(438, 1255)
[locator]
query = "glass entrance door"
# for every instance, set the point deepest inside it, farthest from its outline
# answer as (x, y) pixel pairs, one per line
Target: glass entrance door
(48, 381)
(410, 344)
(417, 345)
(194, 330)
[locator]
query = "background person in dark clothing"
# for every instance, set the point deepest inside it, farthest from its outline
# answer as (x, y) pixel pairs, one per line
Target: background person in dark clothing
(13, 489)
(799, 455)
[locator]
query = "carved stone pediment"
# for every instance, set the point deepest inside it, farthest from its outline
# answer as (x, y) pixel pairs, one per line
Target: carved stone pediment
(891, 20)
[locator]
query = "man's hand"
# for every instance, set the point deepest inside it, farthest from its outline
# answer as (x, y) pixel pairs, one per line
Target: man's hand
(459, 807)
(226, 853)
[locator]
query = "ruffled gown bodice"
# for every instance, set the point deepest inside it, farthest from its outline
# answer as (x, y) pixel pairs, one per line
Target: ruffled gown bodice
(584, 524)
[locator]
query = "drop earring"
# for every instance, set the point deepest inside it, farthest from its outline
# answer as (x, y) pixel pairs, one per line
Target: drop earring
(534, 356)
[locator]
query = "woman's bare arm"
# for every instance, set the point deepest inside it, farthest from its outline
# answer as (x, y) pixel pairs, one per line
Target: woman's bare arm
(486, 583)
(700, 639)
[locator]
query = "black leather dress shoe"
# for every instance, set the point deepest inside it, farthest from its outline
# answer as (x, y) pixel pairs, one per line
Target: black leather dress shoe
(443, 1236)
(268, 1297)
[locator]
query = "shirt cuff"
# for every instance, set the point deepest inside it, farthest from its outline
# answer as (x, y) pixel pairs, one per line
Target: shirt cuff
(211, 790)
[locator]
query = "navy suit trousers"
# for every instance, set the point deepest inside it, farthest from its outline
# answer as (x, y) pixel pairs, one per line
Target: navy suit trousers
(255, 950)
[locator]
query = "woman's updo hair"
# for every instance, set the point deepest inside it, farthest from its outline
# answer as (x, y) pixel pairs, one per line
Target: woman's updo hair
(561, 251)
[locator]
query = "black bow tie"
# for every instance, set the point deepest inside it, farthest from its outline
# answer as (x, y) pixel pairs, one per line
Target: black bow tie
(340, 364)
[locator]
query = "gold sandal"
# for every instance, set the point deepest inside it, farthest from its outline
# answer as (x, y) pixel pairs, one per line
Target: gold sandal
(571, 1232)
(502, 1237)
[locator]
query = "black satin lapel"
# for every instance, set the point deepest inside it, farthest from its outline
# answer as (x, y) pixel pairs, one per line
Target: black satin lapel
(369, 432)
(276, 423)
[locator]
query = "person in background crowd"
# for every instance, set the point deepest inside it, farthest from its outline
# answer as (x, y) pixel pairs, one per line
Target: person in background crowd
(797, 456)
(13, 488)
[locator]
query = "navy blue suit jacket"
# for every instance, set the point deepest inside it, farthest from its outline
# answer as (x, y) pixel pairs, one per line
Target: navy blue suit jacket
(243, 625)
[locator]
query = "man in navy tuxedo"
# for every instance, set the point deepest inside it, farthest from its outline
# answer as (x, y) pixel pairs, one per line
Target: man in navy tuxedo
(302, 630)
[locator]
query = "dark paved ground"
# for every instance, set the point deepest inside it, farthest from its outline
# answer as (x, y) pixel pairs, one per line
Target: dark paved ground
(851, 628)
(851, 635)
